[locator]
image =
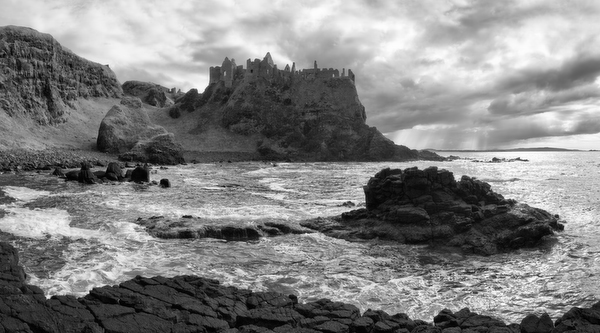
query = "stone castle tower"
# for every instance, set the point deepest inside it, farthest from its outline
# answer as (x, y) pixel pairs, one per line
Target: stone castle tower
(265, 68)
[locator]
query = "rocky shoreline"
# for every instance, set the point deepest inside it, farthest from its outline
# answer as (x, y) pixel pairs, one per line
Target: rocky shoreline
(16, 160)
(195, 304)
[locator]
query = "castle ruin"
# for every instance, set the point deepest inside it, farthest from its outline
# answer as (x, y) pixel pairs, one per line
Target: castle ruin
(229, 71)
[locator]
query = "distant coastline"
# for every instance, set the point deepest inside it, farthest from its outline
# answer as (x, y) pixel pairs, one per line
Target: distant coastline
(549, 149)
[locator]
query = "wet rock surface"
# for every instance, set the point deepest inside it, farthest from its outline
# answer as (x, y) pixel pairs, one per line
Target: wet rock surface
(429, 206)
(194, 227)
(195, 304)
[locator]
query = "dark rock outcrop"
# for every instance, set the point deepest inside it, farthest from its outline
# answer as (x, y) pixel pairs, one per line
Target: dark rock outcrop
(430, 206)
(114, 171)
(195, 227)
(195, 304)
(141, 174)
(40, 79)
(86, 175)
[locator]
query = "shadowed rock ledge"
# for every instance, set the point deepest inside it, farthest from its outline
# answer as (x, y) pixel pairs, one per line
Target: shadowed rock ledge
(195, 304)
(194, 227)
(429, 206)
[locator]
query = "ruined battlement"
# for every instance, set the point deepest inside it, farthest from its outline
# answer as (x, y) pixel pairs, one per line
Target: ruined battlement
(229, 71)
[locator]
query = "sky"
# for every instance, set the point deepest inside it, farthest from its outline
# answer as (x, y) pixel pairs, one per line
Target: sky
(444, 74)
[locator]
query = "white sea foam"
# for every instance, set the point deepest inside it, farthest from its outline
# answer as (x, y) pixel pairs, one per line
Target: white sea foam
(24, 193)
(38, 223)
(395, 278)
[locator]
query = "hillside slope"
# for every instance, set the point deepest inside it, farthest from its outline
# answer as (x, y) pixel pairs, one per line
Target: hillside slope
(50, 97)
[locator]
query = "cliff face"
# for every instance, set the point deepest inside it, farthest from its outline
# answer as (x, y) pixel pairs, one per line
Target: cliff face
(292, 115)
(41, 80)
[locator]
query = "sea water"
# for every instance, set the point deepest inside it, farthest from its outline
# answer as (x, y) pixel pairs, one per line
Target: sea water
(74, 237)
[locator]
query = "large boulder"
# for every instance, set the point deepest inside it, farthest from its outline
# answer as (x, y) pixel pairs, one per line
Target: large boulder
(161, 149)
(430, 206)
(124, 125)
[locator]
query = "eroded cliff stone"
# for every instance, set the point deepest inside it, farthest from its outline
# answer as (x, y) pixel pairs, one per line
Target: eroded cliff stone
(40, 79)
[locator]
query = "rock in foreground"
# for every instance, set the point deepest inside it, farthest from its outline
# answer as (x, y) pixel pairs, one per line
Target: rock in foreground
(194, 304)
(429, 206)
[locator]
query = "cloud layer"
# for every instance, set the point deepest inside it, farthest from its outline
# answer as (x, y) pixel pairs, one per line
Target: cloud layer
(431, 73)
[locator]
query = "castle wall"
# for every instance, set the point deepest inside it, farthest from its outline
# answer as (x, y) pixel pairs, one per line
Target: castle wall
(265, 68)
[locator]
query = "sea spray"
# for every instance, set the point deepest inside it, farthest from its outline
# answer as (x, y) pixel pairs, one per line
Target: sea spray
(396, 278)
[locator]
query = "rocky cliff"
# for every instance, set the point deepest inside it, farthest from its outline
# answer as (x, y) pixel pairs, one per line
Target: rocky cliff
(314, 115)
(40, 79)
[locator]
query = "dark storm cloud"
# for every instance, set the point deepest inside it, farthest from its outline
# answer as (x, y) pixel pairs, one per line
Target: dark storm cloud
(570, 123)
(540, 101)
(573, 72)
(464, 72)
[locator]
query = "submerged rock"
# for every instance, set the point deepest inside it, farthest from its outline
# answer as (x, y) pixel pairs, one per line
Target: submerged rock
(430, 206)
(196, 304)
(194, 227)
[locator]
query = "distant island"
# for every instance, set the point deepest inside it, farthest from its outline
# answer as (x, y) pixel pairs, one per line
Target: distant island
(506, 150)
